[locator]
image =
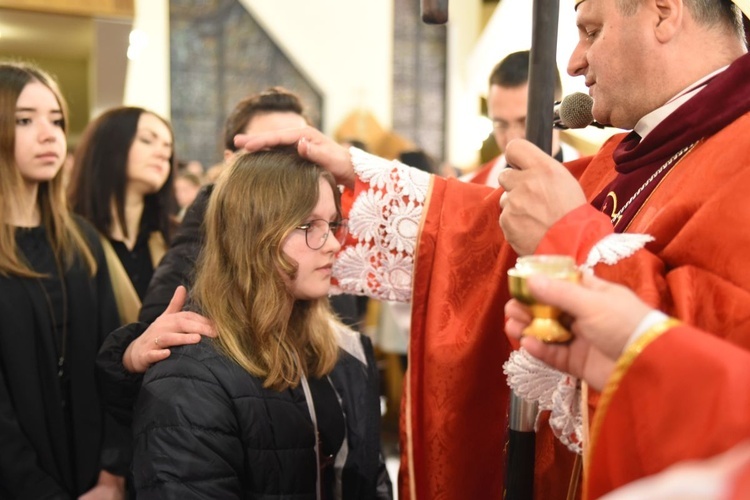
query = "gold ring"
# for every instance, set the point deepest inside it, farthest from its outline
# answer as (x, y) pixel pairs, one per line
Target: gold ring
(156, 341)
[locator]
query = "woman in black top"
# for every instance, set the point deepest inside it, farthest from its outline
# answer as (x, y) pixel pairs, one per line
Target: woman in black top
(122, 183)
(56, 306)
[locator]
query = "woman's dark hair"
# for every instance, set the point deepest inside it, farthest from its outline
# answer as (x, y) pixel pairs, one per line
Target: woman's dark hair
(100, 175)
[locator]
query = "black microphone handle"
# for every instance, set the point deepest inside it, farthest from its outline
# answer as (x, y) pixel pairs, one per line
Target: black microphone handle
(519, 475)
(519, 481)
(542, 71)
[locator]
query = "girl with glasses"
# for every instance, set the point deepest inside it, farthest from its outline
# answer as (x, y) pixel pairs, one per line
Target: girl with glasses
(284, 401)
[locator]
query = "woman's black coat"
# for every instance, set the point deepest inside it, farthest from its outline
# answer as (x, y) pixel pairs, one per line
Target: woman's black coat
(38, 458)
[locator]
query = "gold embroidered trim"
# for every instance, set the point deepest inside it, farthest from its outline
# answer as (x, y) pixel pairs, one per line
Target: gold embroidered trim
(669, 164)
(407, 385)
(624, 363)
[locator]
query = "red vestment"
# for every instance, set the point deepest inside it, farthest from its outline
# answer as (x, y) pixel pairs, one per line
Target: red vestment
(456, 397)
(684, 397)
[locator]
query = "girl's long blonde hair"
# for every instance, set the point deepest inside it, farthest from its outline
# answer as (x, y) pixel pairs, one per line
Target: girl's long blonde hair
(67, 241)
(242, 275)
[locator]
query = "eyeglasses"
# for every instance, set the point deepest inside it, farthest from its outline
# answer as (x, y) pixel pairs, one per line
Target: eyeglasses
(317, 231)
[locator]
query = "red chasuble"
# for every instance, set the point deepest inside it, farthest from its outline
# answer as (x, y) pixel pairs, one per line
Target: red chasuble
(456, 397)
(684, 397)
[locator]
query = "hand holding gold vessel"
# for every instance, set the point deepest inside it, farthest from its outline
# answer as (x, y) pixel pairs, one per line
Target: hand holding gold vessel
(546, 325)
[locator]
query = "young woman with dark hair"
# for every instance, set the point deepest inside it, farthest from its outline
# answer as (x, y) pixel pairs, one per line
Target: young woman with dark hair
(123, 184)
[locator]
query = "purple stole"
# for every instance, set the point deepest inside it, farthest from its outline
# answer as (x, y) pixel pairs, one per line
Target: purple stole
(642, 165)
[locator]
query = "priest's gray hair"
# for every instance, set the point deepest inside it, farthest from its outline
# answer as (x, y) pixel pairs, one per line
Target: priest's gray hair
(705, 12)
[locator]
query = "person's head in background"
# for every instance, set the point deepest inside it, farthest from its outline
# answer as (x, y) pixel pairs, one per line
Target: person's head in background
(272, 232)
(125, 159)
(33, 118)
(194, 167)
(418, 158)
(354, 143)
(186, 187)
(508, 99)
(214, 171)
(273, 109)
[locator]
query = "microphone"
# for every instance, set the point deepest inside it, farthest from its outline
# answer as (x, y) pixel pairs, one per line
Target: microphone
(574, 111)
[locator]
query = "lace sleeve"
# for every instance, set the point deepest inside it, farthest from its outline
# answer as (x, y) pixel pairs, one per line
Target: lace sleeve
(384, 220)
(558, 392)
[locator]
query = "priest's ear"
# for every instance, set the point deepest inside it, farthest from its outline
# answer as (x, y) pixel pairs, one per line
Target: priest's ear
(666, 16)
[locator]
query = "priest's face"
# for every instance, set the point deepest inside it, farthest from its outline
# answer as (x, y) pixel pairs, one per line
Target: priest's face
(614, 54)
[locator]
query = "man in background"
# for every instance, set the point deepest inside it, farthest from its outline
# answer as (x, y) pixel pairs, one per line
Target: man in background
(507, 103)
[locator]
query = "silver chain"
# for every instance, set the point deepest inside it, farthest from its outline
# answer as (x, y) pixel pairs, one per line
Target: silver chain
(679, 154)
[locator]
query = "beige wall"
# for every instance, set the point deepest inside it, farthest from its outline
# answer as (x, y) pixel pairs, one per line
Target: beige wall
(109, 8)
(345, 48)
(85, 51)
(147, 78)
(71, 75)
(463, 106)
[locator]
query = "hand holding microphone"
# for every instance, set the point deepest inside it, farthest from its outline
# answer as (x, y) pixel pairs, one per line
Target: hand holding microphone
(539, 191)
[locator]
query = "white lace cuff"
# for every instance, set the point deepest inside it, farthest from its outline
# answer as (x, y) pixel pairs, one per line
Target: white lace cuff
(614, 247)
(385, 221)
(553, 390)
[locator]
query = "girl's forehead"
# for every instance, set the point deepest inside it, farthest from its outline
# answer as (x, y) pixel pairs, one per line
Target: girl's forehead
(37, 95)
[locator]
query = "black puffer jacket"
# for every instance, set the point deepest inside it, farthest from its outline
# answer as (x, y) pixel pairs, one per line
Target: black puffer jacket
(205, 428)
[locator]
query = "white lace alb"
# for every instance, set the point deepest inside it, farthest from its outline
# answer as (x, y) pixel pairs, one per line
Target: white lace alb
(556, 391)
(385, 221)
(553, 390)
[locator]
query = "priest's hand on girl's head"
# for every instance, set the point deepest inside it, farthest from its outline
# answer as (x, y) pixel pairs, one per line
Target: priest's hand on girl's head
(311, 144)
(174, 327)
